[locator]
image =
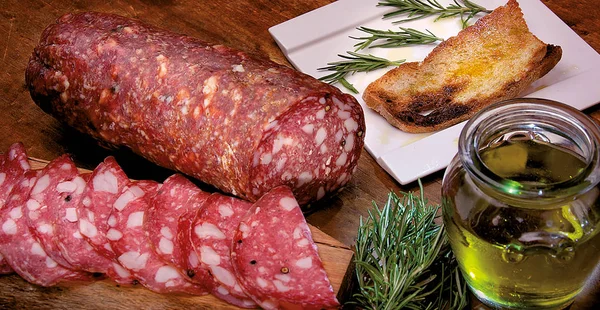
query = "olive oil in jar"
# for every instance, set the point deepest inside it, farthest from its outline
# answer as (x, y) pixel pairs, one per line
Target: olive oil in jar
(521, 205)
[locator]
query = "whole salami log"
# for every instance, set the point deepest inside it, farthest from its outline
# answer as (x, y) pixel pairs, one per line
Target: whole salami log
(242, 124)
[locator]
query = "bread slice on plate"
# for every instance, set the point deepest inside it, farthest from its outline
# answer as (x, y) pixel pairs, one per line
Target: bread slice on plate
(493, 60)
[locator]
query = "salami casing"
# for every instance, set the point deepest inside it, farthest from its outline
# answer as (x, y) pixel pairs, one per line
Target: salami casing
(240, 123)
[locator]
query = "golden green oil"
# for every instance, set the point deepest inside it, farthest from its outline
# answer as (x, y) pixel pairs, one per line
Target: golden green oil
(523, 253)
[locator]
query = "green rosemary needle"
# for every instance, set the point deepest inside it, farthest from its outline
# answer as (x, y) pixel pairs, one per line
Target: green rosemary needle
(403, 259)
(416, 9)
(354, 62)
(404, 37)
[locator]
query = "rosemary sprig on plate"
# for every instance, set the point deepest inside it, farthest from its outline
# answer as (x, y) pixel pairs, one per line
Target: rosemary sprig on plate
(404, 37)
(416, 9)
(354, 62)
(403, 259)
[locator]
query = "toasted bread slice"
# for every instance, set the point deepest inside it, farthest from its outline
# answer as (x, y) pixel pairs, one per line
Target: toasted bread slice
(493, 60)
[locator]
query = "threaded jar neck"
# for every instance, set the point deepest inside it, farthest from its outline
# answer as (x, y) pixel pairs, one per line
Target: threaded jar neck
(533, 121)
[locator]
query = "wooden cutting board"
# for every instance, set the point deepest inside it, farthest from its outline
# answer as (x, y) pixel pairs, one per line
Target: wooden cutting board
(15, 293)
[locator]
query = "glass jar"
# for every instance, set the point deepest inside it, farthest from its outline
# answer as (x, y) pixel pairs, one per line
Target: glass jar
(521, 203)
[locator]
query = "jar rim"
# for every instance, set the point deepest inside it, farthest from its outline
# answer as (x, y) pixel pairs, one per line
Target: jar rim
(469, 147)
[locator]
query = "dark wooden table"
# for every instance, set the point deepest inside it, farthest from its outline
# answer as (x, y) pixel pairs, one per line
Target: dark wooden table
(242, 24)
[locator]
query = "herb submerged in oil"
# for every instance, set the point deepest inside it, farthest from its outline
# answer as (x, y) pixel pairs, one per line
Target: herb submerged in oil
(403, 258)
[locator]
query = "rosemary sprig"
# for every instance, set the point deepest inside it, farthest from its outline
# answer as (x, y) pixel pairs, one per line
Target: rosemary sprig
(416, 9)
(404, 37)
(403, 259)
(355, 62)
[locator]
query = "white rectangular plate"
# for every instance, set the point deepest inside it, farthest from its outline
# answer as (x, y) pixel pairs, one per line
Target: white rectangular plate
(312, 40)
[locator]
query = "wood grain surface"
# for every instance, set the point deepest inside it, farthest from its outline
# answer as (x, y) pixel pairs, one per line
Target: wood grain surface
(241, 24)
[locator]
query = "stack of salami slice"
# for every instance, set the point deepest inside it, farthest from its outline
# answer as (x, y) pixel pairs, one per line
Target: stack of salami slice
(61, 226)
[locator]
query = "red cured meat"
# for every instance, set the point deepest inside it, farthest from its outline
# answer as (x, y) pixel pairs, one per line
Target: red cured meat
(54, 187)
(133, 248)
(13, 164)
(211, 236)
(176, 196)
(73, 247)
(237, 122)
(195, 271)
(275, 258)
(309, 149)
(22, 251)
(101, 191)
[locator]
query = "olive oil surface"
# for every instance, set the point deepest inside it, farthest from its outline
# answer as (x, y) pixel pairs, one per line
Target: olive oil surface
(523, 254)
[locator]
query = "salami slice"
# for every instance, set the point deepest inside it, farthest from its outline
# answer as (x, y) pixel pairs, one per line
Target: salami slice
(204, 109)
(211, 236)
(101, 192)
(133, 248)
(195, 271)
(99, 195)
(53, 192)
(13, 165)
(176, 196)
(73, 247)
(275, 258)
(22, 251)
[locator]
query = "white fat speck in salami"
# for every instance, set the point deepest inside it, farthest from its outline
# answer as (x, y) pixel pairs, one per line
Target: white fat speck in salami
(15, 213)
(106, 182)
(341, 161)
(87, 229)
(33, 205)
(133, 260)
(113, 234)
(166, 273)
(208, 230)
(308, 128)
(41, 185)
(9, 227)
(284, 273)
(135, 219)
(321, 135)
(112, 221)
(66, 187)
(165, 246)
(209, 256)
(304, 263)
(71, 215)
(166, 232)
(288, 203)
(36, 249)
(225, 210)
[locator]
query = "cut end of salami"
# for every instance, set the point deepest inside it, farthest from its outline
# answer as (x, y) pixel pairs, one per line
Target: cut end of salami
(275, 258)
(312, 148)
(256, 124)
